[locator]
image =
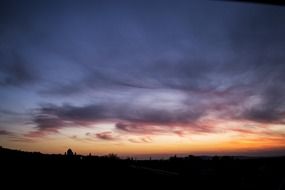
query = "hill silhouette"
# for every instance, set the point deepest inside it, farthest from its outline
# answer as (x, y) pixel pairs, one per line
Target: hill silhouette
(178, 172)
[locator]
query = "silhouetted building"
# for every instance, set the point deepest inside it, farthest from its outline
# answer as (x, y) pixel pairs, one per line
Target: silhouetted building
(69, 152)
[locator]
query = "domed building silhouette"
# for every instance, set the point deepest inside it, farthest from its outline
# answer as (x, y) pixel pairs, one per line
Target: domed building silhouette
(69, 152)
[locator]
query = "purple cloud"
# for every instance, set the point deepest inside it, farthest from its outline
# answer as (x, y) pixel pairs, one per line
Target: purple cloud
(107, 135)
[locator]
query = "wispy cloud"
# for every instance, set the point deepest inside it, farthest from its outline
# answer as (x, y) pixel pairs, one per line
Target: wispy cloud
(149, 72)
(5, 132)
(141, 140)
(107, 135)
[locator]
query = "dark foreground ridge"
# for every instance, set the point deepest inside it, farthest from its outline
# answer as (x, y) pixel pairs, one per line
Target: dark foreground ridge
(95, 172)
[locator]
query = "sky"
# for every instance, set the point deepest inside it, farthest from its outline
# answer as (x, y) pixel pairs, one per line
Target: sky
(142, 77)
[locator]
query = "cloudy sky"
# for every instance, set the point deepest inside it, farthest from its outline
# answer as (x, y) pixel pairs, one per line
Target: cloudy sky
(142, 77)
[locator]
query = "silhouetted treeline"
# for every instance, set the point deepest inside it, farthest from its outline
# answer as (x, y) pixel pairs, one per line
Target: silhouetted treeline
(192, 172)
(18, 155)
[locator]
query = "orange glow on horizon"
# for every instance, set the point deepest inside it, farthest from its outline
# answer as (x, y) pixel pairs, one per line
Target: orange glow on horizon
(181, 140)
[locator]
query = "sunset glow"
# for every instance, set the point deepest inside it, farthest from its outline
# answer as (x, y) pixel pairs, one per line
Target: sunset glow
(143, 79)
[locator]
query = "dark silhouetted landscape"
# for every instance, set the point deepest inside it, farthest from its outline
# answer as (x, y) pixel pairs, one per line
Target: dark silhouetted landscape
(191, 172)
(177, 94)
